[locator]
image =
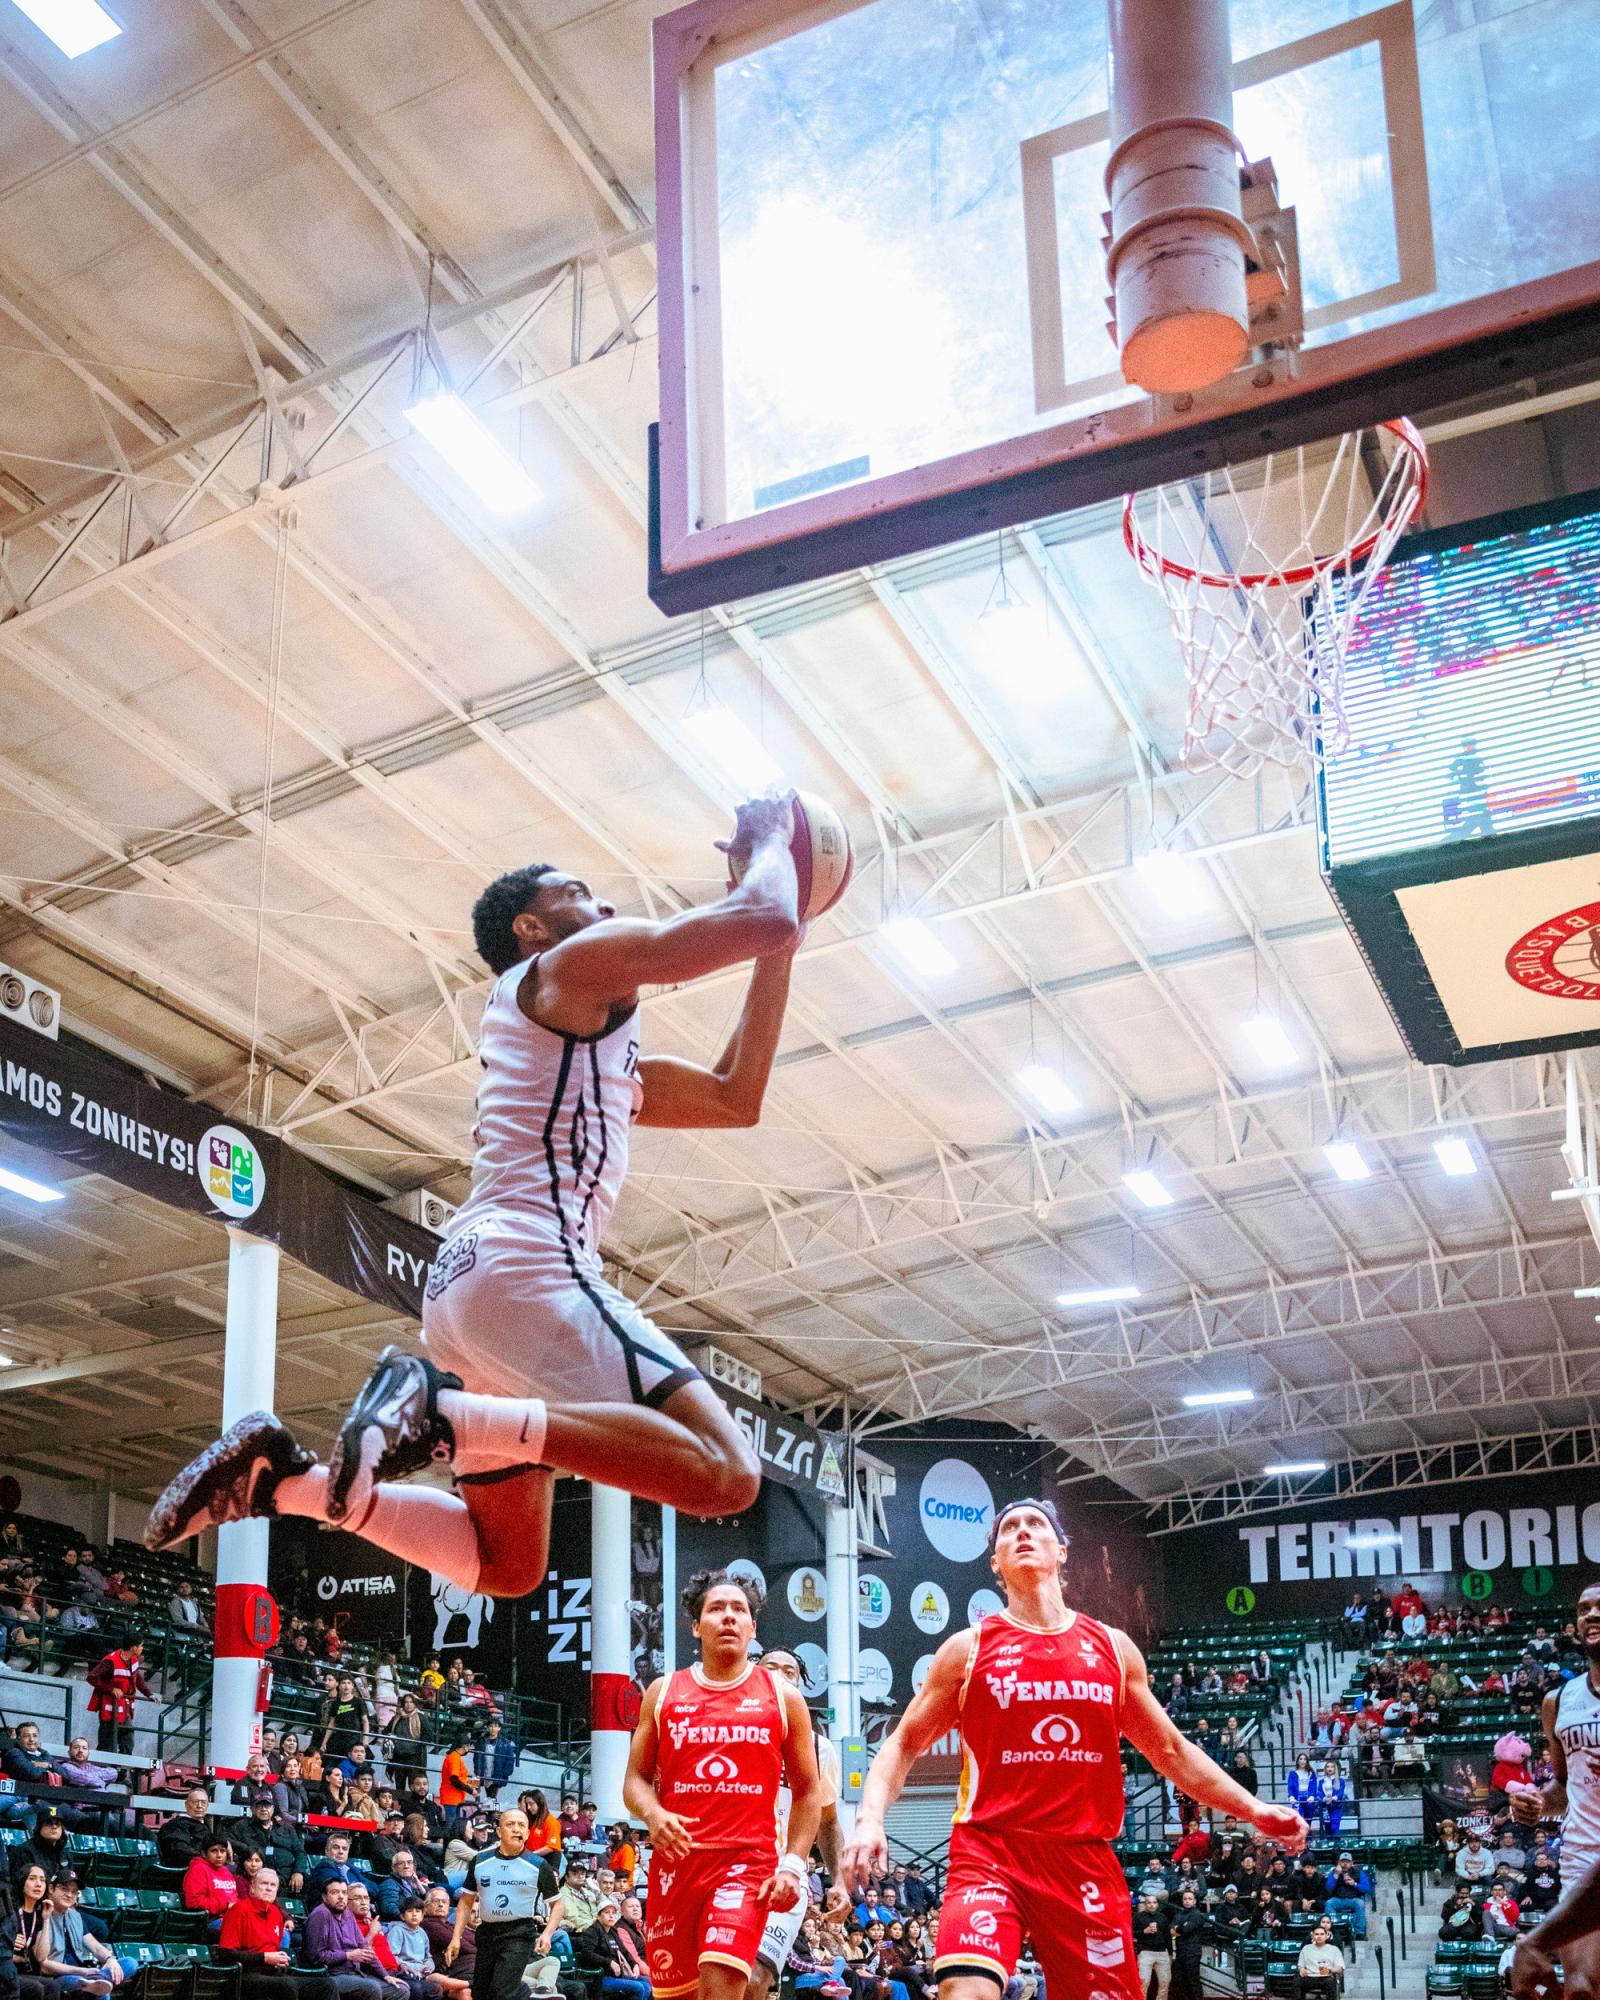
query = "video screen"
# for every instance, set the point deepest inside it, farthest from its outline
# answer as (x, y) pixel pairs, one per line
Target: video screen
(1472, 690)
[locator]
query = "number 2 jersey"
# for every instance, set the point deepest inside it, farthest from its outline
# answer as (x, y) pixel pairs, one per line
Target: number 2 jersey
(719, 1757)
(1041, 1731)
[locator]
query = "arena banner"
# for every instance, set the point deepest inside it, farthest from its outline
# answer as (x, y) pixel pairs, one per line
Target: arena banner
(1526, 1543)
(103, 1117)
(792, 1453)
(1460, 1791)
(321, 1573)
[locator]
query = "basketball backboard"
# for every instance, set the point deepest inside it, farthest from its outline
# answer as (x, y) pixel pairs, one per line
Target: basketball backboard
(883, 290)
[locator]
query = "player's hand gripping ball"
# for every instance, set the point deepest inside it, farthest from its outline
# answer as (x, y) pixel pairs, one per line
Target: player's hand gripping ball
(820, 844)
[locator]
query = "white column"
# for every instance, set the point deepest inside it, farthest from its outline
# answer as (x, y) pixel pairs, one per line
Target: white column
(611, 1643)
(843, 1633)
(1178, 239)
(249, 1372)
(669, 1589)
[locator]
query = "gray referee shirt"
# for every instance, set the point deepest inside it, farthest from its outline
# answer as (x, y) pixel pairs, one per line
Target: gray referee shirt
(511, 1888)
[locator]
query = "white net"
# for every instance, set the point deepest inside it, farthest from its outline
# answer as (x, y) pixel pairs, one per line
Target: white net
(1265, 569)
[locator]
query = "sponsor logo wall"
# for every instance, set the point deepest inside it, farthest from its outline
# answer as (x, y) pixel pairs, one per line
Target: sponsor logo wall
(1527, 1544)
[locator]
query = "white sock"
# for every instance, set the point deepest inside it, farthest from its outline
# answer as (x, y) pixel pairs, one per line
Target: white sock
(492, 1432)
(416, 1523)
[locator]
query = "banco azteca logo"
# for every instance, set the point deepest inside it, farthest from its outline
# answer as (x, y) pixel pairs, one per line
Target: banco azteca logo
(717, 1769)
(1055, 1731)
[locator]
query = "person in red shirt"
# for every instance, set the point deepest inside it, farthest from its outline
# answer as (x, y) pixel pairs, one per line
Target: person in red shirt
(715, 1743)
(209, 1882)
(253, 1938)
(115, 1683)
(1042, 1697)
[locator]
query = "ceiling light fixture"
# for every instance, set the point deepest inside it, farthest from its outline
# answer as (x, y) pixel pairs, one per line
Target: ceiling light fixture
(75, 26)
(736, 751)
(474, 453)
(15, 1183)
(1455, 1156)
(1291, 1467)
(1177, 883)
(1049, 1088)
(1270, 1040)
(919, 946)
(1346, 1161)
(1148, 1188)
(1210, 1399)
(1105, 1296)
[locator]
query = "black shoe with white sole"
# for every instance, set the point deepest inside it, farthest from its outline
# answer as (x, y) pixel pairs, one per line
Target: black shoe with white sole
(394, 1428)
(234, 1479)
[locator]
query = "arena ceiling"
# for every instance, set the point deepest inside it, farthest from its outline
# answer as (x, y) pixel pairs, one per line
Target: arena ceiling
(279, 695)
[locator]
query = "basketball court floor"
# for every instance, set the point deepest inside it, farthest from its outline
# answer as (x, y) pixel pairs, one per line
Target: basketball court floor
(437, 435)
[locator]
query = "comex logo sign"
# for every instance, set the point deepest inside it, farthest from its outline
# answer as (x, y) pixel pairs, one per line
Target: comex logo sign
(956, 1509)
(1052, 1730)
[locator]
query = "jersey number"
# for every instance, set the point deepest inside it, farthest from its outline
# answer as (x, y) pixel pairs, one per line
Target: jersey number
(1091, 1898)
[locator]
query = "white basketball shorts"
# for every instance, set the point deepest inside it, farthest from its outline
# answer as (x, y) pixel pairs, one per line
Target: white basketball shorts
(777, 1940)
(513, 1311)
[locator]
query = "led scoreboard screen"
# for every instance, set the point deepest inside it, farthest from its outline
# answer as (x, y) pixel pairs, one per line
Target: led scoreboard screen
(1472, 691)
(1460, 822)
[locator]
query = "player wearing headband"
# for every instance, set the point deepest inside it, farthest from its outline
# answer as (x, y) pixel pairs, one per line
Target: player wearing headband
(783, 1926)
(1043, 1697)
(716, 1743)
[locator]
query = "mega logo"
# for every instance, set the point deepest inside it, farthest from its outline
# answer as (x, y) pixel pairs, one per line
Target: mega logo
(982, 1923)
(956, 1508)
(1055, 1730)
(716, 1769)
(1104, 1952)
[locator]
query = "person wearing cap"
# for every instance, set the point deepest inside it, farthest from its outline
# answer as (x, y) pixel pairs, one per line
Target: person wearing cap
(1042, 1698)
(254, 1937)
(1347, 1894)
(69, 1952)
(277, 1841)
(580, 1899)
(605, 1948)
(45, 1847)
(385, 1842)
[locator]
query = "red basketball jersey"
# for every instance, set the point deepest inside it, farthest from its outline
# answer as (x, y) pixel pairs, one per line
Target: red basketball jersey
(1041, 1731)
(719, 1756)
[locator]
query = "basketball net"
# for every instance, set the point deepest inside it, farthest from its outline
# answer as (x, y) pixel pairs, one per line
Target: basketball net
(1265, 569)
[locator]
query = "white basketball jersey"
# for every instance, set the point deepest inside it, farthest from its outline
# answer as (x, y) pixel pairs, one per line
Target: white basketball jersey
(1578, 1733)
(554, 1113)
(828, 1769)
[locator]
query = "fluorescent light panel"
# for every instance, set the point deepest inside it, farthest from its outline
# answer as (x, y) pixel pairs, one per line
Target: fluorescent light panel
(1210, 1399)
(1149, 1188)
(919, 946)
(75, 26)
(1176, 882)
(735, 750)
(1291, 1466)
(1372, 1541)
(1270, 1039)
(474, 453)
(15, 1183)
(1346, 1161)
(1048, 1088)
(1105, 1296)
(1455, 1156)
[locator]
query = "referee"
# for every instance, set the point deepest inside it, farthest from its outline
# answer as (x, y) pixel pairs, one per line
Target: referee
(511, 1890)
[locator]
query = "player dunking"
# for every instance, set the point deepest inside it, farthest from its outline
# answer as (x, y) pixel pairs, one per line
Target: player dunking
(783, 1926)
(1042, 1697)
(1571, 1720)
(533, 1360)
(716, 1743)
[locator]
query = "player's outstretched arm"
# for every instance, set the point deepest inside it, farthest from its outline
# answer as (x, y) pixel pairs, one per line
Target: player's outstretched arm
(1579, 1916)
(596, 967)
(669, 1832)
(685, 1095)
(1157, 1737)
(932, 1713)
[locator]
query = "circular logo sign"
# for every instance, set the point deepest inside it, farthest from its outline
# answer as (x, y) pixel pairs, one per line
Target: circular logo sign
(327, 1586)
(956, 1509)
(1241, 1600)
(1477, 1584)
(930, 1608)
(230, 1172)
(1538, 1582)
(876, 1675)
(984, 1604)
(872, 1602)
(813, 1669)
(808, 1594)
(1561, 956)
(921, 1671)
(742, 1570)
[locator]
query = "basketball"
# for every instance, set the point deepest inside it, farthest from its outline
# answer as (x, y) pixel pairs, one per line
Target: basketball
(823, 859)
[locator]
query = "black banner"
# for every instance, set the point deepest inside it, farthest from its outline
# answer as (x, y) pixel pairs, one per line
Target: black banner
(792, 1453)
(321, 1573)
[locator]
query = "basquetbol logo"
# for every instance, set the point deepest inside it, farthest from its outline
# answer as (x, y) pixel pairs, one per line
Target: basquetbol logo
(230, 1171)
(1561, 956)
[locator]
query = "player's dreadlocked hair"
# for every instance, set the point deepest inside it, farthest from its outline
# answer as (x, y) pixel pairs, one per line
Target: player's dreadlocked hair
(704, 1581)
(507, 897)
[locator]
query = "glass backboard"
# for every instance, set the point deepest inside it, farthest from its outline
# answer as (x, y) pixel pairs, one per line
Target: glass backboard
(883, 283)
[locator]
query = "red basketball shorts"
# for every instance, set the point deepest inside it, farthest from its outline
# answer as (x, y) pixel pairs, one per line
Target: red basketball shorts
(705, 1908)
(1068, 1896)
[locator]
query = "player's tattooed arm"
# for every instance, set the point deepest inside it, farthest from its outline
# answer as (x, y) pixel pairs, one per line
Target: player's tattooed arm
(933, 1712)
(1154, 1734)
(669, 1832)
